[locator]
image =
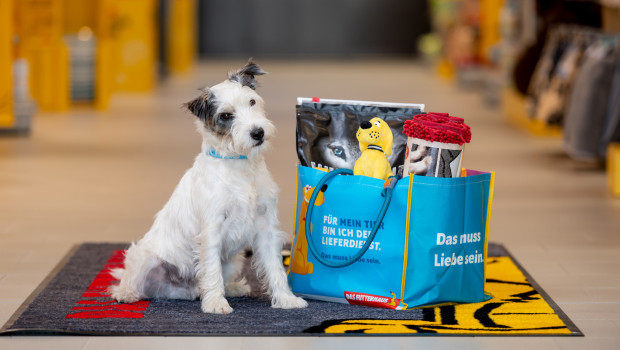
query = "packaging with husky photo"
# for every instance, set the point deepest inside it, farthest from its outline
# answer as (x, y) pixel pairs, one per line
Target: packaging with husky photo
(326, 130)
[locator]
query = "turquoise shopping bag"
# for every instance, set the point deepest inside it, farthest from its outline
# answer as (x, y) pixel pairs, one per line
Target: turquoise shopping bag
(413, 242)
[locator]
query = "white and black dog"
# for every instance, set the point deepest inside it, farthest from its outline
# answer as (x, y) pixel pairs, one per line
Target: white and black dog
(225, 203)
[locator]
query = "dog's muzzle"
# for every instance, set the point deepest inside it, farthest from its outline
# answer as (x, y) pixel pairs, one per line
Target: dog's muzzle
(258, 135)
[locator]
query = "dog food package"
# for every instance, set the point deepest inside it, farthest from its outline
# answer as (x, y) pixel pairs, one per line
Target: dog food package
(326, 130)
(435, 145)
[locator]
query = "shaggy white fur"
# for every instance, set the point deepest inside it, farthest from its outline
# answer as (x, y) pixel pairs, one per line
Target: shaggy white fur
(225, 203)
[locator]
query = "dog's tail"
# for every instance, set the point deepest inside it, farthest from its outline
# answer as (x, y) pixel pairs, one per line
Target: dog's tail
(117, 273)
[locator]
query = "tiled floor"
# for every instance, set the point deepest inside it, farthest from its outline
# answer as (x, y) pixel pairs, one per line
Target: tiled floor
(86, 175)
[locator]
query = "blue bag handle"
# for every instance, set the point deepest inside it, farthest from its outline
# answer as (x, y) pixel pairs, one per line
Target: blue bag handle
(388, 187)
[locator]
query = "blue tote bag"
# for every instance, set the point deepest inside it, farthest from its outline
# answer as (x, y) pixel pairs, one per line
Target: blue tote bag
(413, 242)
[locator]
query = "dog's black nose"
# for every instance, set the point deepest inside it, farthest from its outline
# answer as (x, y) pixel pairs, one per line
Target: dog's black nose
(365, 125)
(257, 134)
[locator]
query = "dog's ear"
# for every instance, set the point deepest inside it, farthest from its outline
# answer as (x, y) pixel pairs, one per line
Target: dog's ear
(387, 138)
(200, 105)
(246, 76)
(363, 146)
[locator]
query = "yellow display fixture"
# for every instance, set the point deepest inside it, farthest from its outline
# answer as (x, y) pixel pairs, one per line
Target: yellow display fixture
(105, 73)
(134, 46)
(100, 18)
(445, 69)
(125, 34)
(613, 168)
(7, 119)
(181, 36)
(125, 58)
(40, 33)
(489, 27)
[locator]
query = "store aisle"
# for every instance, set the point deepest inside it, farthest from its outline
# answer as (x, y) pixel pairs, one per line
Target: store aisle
(86, 175)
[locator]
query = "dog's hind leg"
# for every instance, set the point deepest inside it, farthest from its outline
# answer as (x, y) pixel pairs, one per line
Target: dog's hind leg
(124, 292)
(146, 276)
(131, 286)
(164, 281)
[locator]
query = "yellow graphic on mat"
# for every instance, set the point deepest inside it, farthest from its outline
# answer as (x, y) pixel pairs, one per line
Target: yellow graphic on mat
(516, 308)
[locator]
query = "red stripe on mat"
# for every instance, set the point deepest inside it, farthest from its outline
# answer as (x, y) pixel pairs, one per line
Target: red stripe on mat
(96, 301)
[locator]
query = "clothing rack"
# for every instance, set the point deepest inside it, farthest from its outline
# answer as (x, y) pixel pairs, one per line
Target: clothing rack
(576, 85)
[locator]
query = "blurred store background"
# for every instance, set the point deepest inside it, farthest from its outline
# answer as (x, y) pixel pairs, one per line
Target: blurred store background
(552, 66)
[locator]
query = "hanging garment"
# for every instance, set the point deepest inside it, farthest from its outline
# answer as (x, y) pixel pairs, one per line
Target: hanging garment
(611, 131)
(552, 100)
(587, 108)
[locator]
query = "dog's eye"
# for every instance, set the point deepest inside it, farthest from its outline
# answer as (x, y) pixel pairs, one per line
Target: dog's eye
(252, 102)
(226, 116)
(378, 124)
(338, 151)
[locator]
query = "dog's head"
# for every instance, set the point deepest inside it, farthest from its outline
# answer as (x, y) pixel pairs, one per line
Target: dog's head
(231, 115)
(375, 132)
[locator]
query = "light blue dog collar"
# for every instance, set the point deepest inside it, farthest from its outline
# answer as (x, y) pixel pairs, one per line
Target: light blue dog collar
(214, 154)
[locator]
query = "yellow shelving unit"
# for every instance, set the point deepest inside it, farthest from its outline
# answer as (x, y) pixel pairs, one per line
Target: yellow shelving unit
(7, 119)
(135, 44)
(613, 168)
(489, 30)
(40, 41)
(105, 32)
(181, 36)
(47, 34)
(94, 21)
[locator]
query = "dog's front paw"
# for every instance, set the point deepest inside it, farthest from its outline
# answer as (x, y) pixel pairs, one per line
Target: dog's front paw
(216, 306)
(288, 301)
